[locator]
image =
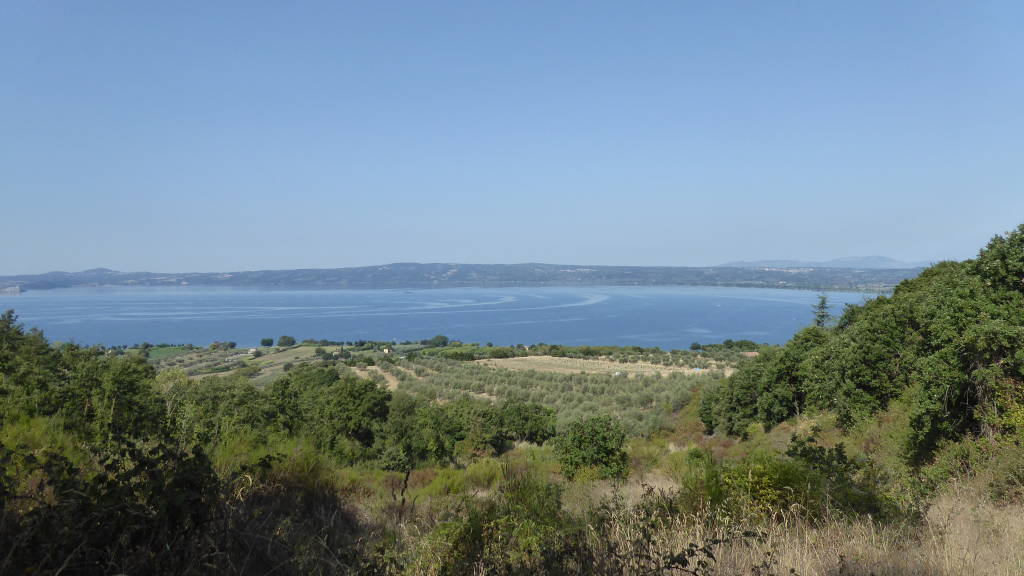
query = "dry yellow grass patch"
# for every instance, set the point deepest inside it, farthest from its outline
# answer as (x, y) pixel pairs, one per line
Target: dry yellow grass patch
(963, 534)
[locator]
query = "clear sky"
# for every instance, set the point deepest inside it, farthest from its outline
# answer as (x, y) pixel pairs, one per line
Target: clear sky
(203, 136)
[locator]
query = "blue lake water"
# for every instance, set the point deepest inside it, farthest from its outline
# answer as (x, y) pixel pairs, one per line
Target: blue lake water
(669, 317)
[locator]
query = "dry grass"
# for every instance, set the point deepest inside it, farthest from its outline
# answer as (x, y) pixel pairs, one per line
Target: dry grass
(562, 365)
(963, 534)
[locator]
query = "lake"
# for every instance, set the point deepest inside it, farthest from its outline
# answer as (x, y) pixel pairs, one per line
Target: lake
(669, 317)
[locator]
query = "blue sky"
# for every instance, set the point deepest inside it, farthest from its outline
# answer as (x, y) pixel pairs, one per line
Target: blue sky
(208, 136)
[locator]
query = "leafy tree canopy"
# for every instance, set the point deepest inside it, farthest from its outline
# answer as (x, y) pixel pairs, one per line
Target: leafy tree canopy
(950, 343)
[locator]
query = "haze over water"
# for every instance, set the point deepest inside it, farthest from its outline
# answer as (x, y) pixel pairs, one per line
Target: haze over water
(668, 317)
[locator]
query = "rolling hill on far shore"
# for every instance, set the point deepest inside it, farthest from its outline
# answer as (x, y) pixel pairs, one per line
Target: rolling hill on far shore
(438, 275)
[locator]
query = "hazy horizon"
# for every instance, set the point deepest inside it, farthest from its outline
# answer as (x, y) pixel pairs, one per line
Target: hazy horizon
(442, 262)
(192, 137)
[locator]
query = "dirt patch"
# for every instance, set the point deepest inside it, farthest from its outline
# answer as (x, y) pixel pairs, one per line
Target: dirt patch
(407, 371)
(389, 379)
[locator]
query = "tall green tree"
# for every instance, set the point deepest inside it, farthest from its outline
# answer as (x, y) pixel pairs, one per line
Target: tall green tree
(821, 313)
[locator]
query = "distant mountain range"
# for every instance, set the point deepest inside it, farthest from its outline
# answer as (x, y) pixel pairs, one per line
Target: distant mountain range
(412, 275)
(851, 262)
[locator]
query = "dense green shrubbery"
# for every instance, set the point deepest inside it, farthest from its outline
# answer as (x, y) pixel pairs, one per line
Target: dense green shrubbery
(99, 396)
(594, 444)
(521, 530)
(524, 529)
(949, 343)
(809, 479)
(997, 464)
(103, 464)
(139, 508)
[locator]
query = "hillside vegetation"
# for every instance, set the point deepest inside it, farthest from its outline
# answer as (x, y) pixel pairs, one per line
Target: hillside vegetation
(885, 441)
(947, 349)
(413, 275)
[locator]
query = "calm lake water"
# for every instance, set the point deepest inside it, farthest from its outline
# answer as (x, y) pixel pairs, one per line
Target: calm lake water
(669, 317)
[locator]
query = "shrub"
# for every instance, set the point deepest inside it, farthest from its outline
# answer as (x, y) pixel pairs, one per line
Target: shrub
(484, 473)
(143, 510)
(529, 422)
(595, 443)
(997, 465)
(521, 529)
(699, 478)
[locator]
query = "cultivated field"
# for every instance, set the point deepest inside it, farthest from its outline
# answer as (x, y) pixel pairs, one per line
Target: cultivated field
(263, 368)
(642, 388)
(561, 365)
(375, 373)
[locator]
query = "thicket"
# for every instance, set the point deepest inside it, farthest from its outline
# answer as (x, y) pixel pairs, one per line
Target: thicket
(948, 345)
(105, 466)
